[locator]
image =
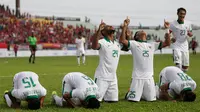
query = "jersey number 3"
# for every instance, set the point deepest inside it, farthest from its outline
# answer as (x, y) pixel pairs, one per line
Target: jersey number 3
(28, 82)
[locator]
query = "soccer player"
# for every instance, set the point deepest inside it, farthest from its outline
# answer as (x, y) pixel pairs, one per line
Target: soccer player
(180, 29)
(176, 85)
(32, 46)
(80, 43)
(109, 53)
(142, 85)
(26, 87)
(77, 89)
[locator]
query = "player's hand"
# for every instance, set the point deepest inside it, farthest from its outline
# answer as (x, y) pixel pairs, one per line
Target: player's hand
(190, 34)
(128, 34)
(173, 40)
(166, 24)
(101, 26)
(126, 22)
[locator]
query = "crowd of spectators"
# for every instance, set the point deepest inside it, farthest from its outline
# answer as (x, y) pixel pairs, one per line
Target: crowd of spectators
(16, 30)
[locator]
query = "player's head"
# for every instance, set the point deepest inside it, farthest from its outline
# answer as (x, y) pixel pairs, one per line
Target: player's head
(93, 103)
(33, 103)
(140, 35)
(188, 95)
(181, 12)
(79, 34)
(108, 31)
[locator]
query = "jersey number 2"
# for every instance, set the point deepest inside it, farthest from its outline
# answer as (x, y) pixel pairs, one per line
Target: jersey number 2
(28, 82)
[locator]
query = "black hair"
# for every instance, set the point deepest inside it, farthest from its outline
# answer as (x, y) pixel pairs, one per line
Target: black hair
(135, 36)
(189, 96)
(79, 33)
(34, 104)
(181, 9)
(93, 103)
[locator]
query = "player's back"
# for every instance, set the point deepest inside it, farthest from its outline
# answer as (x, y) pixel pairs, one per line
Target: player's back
(27, 84)
(26, 80)
(143, 54)
(80, 80)
(178, 79)
(80, 43)
(109, 54)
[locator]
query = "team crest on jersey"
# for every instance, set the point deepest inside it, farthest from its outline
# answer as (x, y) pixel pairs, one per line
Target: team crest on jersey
(149, 47)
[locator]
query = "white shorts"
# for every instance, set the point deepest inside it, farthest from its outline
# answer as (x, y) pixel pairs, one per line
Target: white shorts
(107, 89)
(142, 89)
(80, 52)
(181, 57)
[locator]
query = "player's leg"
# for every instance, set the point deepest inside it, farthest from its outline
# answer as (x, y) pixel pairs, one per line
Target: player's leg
(66, 88)
(78, 56)
(136, 90)
(10, 100)
(149, 91)
(83, 56)
(31, 49)
(34, 50)
(185, 61)
(111, 94)
(103, 86)
(177, 57)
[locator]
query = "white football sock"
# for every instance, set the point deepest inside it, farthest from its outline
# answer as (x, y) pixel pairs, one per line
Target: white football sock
(58, 100)
(83, 59)
(78, 59)
(8, 100)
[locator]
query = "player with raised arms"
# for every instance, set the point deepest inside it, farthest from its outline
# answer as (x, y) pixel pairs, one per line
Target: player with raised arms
(77, 90)
(142, 85)
(26, 87)
(109, 53)
(174, 84)
(180, 29)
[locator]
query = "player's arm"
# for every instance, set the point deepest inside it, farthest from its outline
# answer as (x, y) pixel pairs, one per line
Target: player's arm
(122, 38)
(67, 97)
(167, 41)
(42, 101)
(164, 93)
(97, 35)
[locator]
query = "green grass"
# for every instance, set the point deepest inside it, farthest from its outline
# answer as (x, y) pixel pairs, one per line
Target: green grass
(52, 69)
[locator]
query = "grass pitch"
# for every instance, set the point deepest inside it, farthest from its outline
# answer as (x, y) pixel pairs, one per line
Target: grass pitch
(51, 71)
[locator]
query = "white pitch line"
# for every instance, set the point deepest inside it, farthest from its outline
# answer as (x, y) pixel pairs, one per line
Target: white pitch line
(43, 74)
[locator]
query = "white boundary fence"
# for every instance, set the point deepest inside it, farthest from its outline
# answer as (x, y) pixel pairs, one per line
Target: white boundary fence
(5, 53)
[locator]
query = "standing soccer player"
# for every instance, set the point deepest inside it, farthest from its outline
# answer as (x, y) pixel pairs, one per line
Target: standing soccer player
(109, 53)
(142, 85)
(26, 87)
(180, 29)
(32, 46)
(80, 45)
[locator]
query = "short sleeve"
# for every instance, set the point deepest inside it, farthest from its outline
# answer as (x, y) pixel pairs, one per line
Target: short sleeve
(76, 40)
(174, 86)
(101, 43)
(18, 94)
(77, 93)
(83, 40)
(156, 45)
(190, 28)
(43, 92)
(132, 44)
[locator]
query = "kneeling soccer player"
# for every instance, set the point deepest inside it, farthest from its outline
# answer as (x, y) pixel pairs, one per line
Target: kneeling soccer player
(176, 85)
(77, 89)
(26, 87)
